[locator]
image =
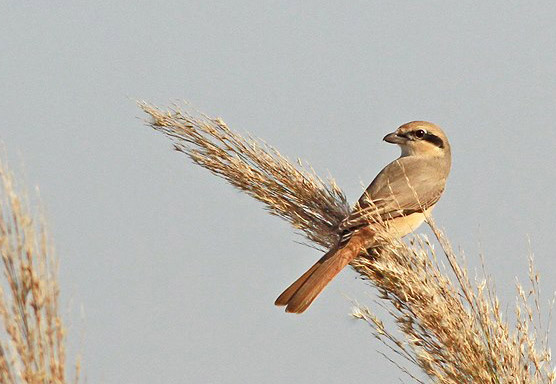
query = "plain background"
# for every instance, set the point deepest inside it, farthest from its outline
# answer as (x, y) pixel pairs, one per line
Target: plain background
(168, 274)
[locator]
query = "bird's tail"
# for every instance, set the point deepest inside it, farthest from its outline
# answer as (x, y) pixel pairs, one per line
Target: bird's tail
(299, 296)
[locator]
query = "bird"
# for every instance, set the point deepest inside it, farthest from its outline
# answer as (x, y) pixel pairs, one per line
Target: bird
(396, 202)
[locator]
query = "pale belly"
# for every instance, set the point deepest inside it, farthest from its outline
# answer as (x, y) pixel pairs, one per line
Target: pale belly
(401, 226)
(395, 228)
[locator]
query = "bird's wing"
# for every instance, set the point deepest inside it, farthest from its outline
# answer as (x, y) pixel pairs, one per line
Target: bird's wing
(405, 186)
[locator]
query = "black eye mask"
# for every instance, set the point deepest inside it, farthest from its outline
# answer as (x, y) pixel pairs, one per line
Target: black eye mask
(433, 139)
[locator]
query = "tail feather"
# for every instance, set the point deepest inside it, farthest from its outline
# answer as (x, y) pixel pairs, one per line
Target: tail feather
(318, 280)
(285, 297)
(299, 296)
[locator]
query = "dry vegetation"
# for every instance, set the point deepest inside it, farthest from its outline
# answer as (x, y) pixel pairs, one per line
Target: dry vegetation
(32, 348)
(448, 325)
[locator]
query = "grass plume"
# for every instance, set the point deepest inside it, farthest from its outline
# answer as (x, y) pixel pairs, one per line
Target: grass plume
(32, 336)
(448, 325)
(297, 195)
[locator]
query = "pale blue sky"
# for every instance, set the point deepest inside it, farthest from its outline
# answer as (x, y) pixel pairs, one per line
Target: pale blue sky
(176, 271)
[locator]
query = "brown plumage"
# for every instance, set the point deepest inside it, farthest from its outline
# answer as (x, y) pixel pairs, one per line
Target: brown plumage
(394, 204)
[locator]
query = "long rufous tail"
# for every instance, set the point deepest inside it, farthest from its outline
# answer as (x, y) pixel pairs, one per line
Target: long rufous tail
(299, 296)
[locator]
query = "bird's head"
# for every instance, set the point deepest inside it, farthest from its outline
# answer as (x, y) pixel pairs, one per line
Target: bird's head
(420, 138)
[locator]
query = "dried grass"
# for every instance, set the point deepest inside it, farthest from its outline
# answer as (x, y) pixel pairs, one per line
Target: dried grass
(32, 337)
(297, 195)
(449, 326)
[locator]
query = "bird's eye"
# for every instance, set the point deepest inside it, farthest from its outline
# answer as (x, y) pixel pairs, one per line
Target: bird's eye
(420, 133)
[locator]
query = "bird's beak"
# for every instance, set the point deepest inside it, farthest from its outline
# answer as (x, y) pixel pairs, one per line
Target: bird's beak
(394, 138)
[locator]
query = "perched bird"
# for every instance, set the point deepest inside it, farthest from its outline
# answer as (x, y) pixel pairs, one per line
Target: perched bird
(394, 205)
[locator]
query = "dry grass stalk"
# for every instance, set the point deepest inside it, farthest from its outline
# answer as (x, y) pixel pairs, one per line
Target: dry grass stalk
(451, 328)
(298, 196)
(32, 339)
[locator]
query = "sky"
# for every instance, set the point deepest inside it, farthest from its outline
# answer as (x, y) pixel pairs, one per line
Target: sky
(168, 274)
